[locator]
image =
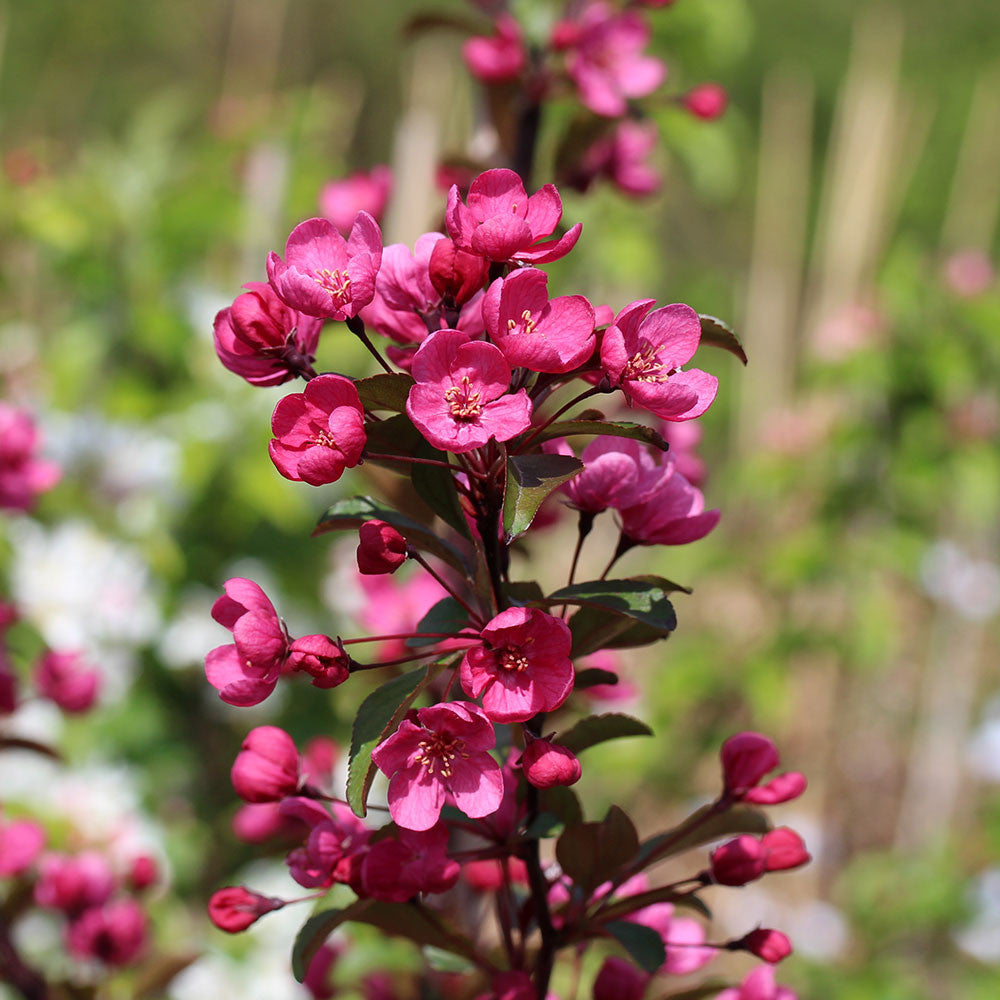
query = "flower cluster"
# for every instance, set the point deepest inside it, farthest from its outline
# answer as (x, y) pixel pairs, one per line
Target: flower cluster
(23, 475)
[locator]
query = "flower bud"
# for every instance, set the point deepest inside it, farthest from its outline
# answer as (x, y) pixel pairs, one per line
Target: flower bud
(547, 764)
(707, 101)
(767, 944)
(322, 658)
(783, 788)
(235, 908)
(456, 274)
(746, 758)
(620, 980)
(738, 861)
(113, 934)
(381, 549)
(143, 873)
(783, 849)
(73, 883)
(65, 678)
(267, 768)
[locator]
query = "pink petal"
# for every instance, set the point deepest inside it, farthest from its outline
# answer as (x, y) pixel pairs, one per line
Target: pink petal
(703, 385)
(669, 400)
(476, 785)
(545, 253)
(498, 192)
(689, 529)
(675, 330)
(225, 671)
(501, 237)
(433, 362)
(415, 798)
(544, 211)
(508, 416)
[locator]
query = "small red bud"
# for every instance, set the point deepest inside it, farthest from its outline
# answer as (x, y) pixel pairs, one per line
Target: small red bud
(322, 658)
(267, 768)
(235, 908)
(767, 944)
(547, 764)
(381, 548)
(455, 273)
(143, 873)
(707, 101)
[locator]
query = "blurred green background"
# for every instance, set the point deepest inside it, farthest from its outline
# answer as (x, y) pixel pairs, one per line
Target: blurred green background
(842, 215)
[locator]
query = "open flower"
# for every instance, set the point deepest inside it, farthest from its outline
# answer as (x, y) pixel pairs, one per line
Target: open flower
(114, 934)
(612, 471)
(460, 399)
(397, 868)
(502, 223)
(759, 984)
(522, 667)
(325, 275)
(672, 512)
(643, 355)
(267, 767)
(319, 432)
(440, 753)
(533, 331)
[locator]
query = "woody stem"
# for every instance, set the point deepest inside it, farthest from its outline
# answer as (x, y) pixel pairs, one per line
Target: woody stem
(357, 326)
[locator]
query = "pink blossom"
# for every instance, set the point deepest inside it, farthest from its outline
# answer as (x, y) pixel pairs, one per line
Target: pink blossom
(612, 470)
(455, 274)
(523, 666)
(759, 984)
(607, 63)
(440, 753)
(682, 937)
(746, 759)
(643, 355)
(325, 275)
(67, 679)
(320, 657)
(672, 513)
(533, 331)
(770, 945)
(621, 156)
(502, 223)
(381, 548)
(23, 476)
(498, 58)
(707, 101)
(620, 980)
(335, 846)
(460, 399)
(114, 934)
(363, 191)
(262, 339)
(548, 765)
(21, 841)
(73, 883)
(318, 433)
(392, 606)
(245, 672)
(255, 823)
(267, 767)
(236, 907)
(397, 868)
(143, 873)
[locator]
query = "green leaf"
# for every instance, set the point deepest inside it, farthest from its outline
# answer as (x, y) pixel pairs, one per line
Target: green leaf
(316, 930)
(394, 436)
(544, 825)
(592, 853)
(596, 729)
(349, 515)
(612, 428)
(644, 945)
(445, 616)
(436, 487)
(523, 592)
(530, 479)
(715, 333)
(378, 715)
(592, 676)
(385, 391)
(702, 827)
(445, 961)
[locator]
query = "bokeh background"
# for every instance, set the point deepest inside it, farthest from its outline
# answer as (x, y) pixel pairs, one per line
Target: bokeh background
(842, 215)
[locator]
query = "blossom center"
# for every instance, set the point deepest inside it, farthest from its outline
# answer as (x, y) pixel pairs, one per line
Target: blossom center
(645, 366)
(337, 283)
(463, 402)
(440, 750)
(513, 659)
(324, 439)
(527, 323)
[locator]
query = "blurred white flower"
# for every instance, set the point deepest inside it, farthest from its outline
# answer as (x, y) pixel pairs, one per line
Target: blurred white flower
(982, 752)
(970, 586)
(980, 938)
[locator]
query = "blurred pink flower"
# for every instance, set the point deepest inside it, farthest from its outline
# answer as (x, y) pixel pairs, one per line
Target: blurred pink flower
(364, 191)
(114, 934)
(707, 101)
(23, 476)
(758, 984)
(497, 58)
(67, 679)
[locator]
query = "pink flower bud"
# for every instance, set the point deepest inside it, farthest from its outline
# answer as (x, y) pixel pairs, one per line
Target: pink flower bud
(65, 678)
(565, 34)
(498, 58)
(547, 765)
(340, 201)
(114, 934)
(620, 980)
(783, 849)
(706, 101)
(267, 768)
(456, 274)
(20, 843)
(73, 884)
(746, 758)
(767, 944)
(738, 861)
(783, 788)
(143, 873)
(235, 908)
(322, 658)
(382, 549)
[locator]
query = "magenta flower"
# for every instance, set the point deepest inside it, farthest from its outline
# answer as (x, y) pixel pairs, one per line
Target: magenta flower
(460, 399)
(67, 679)
(397, 868)
(72, 883)
(325, 275)
(533, 331)
(759, 984)
(318, 433)
(114, 934)
(523, 666)
(749, 757)
(770, 945)
(620, 980)
(246, 671)
(23, 476)
(21, 841)
(621, 156)
(672, 513)
(440, 754)
(498, 58)
(267, 767)
(502, 223)
(747, 858)
(320, 657)
(235, 908)
(547, 764)
(334, 848)
(381, 548)
(364, 191)
(607, 62)
(613, 469)
(643, 355)
(456, 274)
(706, 101)
(682, 937)
(261, 339)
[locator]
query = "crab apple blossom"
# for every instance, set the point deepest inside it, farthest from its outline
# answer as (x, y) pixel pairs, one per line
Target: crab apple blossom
(456, 274)
(263, 340)
(246, 671)
(335, 844)
(642, 353)
(621, 156)
(502, 223)
(397, 868)
(707, 101)
(612, 469)
(23, 475)
(381, 548)
(746, 759)
(363, 191)
(440, 753)
(114, 934)
(235, 908)
(620, 980)
(460, 399)
(66, 678)
(267, 767)
(320, 657)
(673, 512)
(606, 60)
(746, 858)
(683, 938)
(533, 331)
(325, 275)
(318, 433)
(548, 765)
(759, 984)
(767, 944)
(497, 58)
(522, 666)
(21, 841)
(72, 883)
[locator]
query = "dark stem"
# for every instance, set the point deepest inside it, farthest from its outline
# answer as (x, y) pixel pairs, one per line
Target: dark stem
(528, 124)
(355, 666)
(584, 526)
(624, 544)
(476, 617)
(357, 326)
(405, 635)
(555, 416)
(407, 460)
